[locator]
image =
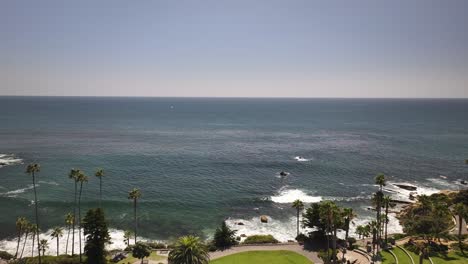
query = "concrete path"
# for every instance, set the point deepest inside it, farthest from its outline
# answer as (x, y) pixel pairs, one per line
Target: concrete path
(291, 247)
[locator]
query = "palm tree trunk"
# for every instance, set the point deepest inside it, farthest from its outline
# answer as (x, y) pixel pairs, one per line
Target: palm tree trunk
(460, 221)
(37, 216)
(24, 244)
(32, 247)
(68, 238)
(100, 192)
(135, 217)
(334, 245)
(79, 218)
(297, 221)
(386, 224)
(57, 246)
(74, 221)
(17, 246)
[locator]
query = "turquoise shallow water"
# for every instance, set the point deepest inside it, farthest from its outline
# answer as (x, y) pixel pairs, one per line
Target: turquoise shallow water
(199, 161)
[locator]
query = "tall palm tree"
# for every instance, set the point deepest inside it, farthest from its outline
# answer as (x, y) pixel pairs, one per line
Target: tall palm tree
(331, 214)
(348, 215)
(68, 222)
(27, 230)
(74, 176)
(189, 250)
(57, 233)
(100, 173)
(379, 180)
(387, 203)
(43, 245)
(81, 179)
(134, 195)
(460, 210)
(32, 169)
(34, 232)
(299, 205)
(20, 228)
(373, 228)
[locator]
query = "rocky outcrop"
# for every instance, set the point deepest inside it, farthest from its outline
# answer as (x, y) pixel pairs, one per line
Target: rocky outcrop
(264, 219)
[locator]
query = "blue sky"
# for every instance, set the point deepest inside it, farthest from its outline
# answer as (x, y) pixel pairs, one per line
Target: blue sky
(235, 48)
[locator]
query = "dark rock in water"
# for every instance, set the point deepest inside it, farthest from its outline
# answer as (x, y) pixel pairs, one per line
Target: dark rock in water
(463, 182)
(240, 223)
(406, 187)
(264, 219)
(283, 173)
(243, 235)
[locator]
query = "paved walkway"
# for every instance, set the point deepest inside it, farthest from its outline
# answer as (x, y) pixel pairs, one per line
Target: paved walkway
(291, 247)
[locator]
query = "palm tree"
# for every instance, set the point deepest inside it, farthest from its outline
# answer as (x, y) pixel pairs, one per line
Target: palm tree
(27, 230)
(134, 195)
(43, 245)
(299, 205)
(68, 222)
(373, 228)
(331, 215)
(127, 236)
(189, 250)
(100, 173)
(348, 215)
(57, 233)
(387, 203)
(34, 232)
(74, 176)
(460, 210)
(20, 228)
(379, 180)
(32, 169)
(360, 231)
(81, 178)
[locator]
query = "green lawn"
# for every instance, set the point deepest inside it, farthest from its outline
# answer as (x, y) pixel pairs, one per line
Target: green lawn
(402, 257)
(263, 257)
(387, 258)
(132, 260)
(452, 258)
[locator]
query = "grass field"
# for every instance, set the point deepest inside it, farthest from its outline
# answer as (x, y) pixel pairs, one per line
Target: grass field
(263, 257)
(132, 260)
(452, 258)
(387, 258)
(402, 257)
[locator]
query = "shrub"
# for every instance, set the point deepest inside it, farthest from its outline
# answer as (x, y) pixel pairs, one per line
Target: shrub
(260, 239)
(301, 238)
(156, 245)
(224, 237)
(327, 258)
(63, 259)
(5, 255)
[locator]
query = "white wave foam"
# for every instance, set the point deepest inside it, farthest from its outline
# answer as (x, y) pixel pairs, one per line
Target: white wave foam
(9, 245)
(18, 191)
(49, 182)
(301, 159)
(286, 230)
(9, 159)
(281, 230)
(403, 194)
(289, 196)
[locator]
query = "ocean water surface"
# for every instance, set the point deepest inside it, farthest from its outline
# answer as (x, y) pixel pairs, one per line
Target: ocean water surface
(198, 161)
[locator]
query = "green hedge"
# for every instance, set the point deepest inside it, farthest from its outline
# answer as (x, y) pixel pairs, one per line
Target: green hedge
(51, 260)
(260, 239)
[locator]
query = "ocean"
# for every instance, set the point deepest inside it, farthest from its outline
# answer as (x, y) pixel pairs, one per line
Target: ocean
(199, 161)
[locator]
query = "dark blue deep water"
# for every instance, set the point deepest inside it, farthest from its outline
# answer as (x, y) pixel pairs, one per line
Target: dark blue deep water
(198, 161)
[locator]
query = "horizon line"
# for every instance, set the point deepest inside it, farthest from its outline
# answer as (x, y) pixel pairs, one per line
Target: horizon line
(234, 97)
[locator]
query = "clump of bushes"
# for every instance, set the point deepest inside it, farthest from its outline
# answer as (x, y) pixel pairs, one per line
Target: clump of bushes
(301, 238)
(156, 245)
(260, 239)
(326, 257)
(63, 259)
(5, 255)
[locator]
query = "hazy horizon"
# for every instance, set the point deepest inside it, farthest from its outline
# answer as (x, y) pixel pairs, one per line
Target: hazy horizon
(241, 49)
